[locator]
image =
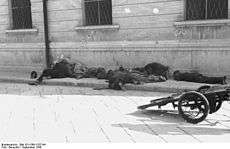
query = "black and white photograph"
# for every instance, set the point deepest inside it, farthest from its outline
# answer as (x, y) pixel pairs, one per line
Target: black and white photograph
(114, 71)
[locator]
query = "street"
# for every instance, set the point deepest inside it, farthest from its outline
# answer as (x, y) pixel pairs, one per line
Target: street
(58, 114)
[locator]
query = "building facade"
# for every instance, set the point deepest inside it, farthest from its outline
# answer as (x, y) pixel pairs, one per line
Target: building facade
(183, 34)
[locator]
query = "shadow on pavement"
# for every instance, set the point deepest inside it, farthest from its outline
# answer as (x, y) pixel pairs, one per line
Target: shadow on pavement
(168, 116)
(166, 122)
(171, 116)
(173, 129)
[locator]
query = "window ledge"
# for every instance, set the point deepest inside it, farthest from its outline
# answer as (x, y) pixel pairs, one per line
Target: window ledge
(22, 31)
(203, 23)
(97, 27)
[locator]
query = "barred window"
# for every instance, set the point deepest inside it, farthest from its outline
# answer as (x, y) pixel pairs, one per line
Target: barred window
(206, 9)
(98, 12)
(21, 14)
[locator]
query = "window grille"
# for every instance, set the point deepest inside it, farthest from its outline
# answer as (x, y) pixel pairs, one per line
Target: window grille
(21, 14)
(98, 12)
(206, 9)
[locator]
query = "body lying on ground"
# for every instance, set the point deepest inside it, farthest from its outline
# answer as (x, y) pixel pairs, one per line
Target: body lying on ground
(157, 69)
(198, 78)
(118, 78)
(61, 69)
(153, 72)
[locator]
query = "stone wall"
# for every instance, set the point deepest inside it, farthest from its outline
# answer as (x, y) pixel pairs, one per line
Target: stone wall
(143, 31)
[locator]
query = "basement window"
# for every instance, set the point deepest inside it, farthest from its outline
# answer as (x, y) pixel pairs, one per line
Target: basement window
(206, 9)
(98, 12)
(21, 14)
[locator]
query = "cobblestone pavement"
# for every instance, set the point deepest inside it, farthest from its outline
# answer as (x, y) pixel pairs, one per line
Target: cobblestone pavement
(69, 114)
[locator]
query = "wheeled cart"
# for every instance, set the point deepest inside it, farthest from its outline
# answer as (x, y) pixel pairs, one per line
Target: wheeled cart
(194, 106)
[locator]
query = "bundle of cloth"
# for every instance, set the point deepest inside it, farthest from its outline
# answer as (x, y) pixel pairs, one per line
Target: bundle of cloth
(198, 78)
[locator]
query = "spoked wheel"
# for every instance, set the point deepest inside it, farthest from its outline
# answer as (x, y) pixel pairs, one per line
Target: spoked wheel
(193, 107)
(217, 105)
(215, 102)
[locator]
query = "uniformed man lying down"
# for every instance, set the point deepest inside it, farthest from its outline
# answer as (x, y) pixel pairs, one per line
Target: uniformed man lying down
(61, 69)
(198, 78)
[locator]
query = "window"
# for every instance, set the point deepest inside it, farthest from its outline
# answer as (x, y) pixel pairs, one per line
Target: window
(21, 14)
(206, 9)
(98, 12)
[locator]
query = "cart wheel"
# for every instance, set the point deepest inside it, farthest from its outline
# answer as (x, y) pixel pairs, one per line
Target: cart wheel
(193, 107)
(218, 105)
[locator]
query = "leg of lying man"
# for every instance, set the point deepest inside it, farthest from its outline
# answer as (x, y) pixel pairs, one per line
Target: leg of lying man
(214, 80)
(50, 73)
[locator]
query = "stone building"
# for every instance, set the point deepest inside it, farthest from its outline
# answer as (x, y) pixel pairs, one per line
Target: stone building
(183, 34)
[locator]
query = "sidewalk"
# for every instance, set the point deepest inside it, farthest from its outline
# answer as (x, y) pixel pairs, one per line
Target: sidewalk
(58, 114)
(168, 86)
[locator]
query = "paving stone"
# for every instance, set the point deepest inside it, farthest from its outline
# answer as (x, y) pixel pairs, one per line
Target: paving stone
(59, 114)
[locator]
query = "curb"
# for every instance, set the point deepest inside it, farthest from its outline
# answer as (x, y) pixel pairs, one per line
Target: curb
(52, 83)
(156, 87)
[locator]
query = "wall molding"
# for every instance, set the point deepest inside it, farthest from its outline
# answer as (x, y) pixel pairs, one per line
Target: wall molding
(22, 31)
(21, 46)
(171, 45)
(221, 22)
(97, 27)
(143, 45)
